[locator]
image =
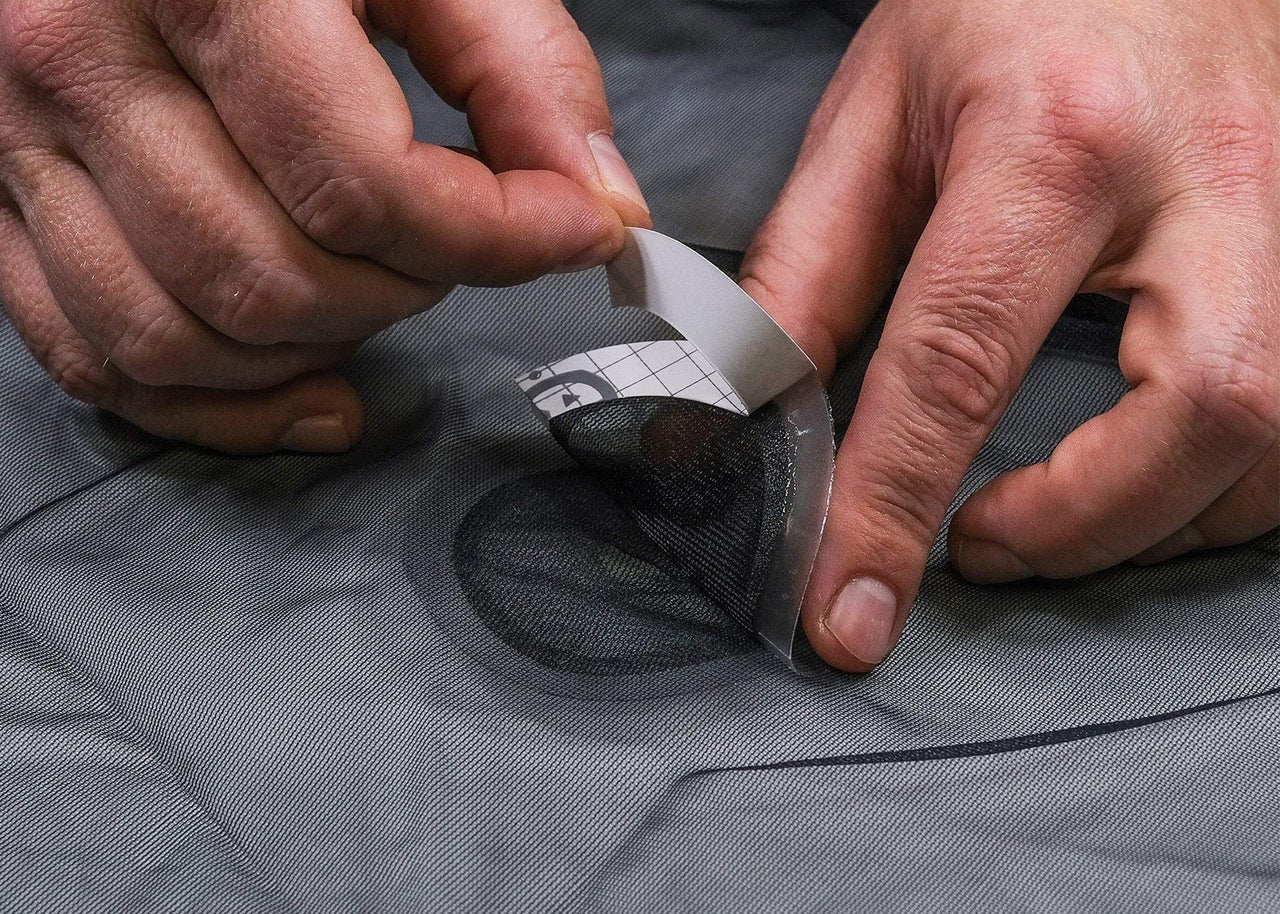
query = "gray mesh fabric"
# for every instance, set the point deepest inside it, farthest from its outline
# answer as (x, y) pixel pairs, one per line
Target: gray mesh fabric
(269, 684)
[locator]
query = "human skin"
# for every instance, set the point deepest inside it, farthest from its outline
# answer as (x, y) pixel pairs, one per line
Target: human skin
(1006, 154)
(206, 204)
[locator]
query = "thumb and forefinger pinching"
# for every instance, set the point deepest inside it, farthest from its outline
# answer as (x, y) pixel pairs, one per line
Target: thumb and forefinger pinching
(331, 135)
(259, 204)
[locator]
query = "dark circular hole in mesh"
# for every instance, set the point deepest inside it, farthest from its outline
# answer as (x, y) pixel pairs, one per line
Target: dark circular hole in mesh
(555, 567)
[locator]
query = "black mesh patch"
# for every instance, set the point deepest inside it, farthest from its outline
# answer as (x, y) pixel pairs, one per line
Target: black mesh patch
(555, 567)
(710, 487)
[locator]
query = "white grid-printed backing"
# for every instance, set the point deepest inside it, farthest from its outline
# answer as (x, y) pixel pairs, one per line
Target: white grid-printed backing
(663, 368)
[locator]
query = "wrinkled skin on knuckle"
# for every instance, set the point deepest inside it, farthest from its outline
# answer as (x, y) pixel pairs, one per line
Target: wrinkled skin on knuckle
(570, 65)
(336, 207)
(478, 71)
(1073, 124)
(956, 360)
(68, 54)
(903, 494)
(39, 39)
(151, 352)
(774, 273)
(1090, 100)
(1239, 148)
(1232, 401)
(1233, 101)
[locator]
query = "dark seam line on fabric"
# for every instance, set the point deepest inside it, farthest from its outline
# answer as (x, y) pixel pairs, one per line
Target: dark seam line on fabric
(991, 747)
(19, 521)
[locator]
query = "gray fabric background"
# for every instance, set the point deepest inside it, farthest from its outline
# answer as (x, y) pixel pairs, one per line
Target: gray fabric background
(257, 685)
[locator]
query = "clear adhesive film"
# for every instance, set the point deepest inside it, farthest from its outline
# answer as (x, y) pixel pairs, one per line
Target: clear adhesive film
(720, 445)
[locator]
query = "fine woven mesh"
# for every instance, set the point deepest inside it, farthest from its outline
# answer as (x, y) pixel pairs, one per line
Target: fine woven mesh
(265, 684)
(554, 606)
(710, 487)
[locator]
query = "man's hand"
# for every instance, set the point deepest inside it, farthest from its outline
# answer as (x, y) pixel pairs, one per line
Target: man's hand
(204, 205)
(1012, 153)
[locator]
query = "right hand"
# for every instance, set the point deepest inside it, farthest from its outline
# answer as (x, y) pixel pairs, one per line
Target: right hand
(205, 205)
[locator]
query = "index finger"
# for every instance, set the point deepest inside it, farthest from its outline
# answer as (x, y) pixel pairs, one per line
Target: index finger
(319, 116)
(1001, 256)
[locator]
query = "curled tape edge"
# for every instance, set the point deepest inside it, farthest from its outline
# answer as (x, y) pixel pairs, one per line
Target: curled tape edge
(660, 275)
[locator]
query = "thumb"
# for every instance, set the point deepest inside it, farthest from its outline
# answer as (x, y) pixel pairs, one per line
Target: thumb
(529, 82)
(314, 413)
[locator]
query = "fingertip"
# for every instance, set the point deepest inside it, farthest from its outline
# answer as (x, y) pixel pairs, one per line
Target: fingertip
(856, 629)
(981, 544)
(986, 562)
(777, 287)
(317, 413)
(992, 513)
(324, 433)
(597, 255)
(617, 182)
(636, 219)
(324, 414)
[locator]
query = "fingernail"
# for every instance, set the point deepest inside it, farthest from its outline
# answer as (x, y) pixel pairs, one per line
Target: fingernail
(1188, 539)
(614, 173)
(862, 619)
(323, 434)
(984, 562)
(593, 256)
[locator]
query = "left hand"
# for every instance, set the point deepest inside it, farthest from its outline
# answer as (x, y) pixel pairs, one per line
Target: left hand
(1014, 152)
(205, 205)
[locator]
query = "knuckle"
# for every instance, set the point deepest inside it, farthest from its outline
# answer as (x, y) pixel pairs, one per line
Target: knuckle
(570, 63)
(150, 351)
(262, 303)
(1241, 139)
(956, 363)
(80, 377)
(565, 43)
(1234, 403)
(771, 278)
(338, 209)
(1077, 119)
(46, 44)
(1085, 102)
(481, 69)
